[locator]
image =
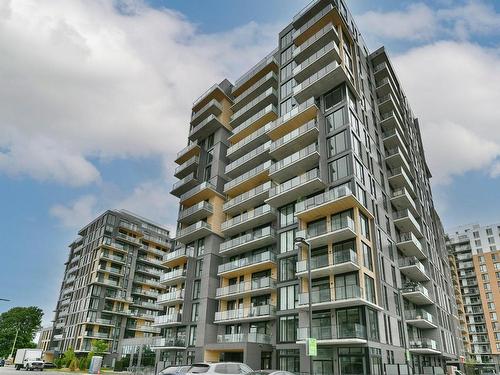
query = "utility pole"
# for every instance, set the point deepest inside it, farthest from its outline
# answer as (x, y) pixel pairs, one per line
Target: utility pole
(15, 340)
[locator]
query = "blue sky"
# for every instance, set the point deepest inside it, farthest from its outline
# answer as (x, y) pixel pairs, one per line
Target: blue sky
(95, 103)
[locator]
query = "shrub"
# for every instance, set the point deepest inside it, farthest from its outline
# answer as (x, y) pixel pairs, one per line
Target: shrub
(74, 364)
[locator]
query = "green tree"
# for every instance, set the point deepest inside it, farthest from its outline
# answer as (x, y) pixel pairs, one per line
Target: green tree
(26, 321)
(100, 347)
(68, 357)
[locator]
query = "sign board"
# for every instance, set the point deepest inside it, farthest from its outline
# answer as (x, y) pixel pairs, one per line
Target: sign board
(95, 365)
(311, 347)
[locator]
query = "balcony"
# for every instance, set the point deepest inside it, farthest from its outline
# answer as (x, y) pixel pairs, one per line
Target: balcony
(387, 86)
(409, 244)
(413, 269)
(149, 260)
(270, 96)
(145, 292)
(173, 277)
(254, 263)
(118, 296)
(395, 158)
(178, 257)
(215, 91)
(264, 83)
(168, 320)
(250, 160)
(248, 180)
(295, 164)
(387, 104)
(398, 178)
(148, 282)
(417, 293)
(171, 298)
(247, 144)
(248, 199)
(97, 335)
(336, 231)
(390, 120)
(323, 265)
(213, 107)
(393, 138)
(184, 185)
(254, 123)
(205, 128)
(254, 314)
(169, 343)
(195, 213)
(406, 222)
(315, 42)
(143, 328)
(259, 70)
(325, 55)
(297, 187)
(324, 204)
(401, 200)
(125, 237)
(314, 24)
(258, 338)
(112, 258)
(255, 287)
(352, 295)
(424, 346)
(342, 334)
(250, 241)
(98, 321)
(322, 81)
(247, 220)
(194, 232)
(292, 120)
(202, 192)
(295, 140)
(108, 282)
(188, 167)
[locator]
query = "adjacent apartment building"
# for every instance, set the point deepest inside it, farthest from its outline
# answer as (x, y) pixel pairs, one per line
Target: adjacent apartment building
(475, 250)
(317, 140)
(111, 283)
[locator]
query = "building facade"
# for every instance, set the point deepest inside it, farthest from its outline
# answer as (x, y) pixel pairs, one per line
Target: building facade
(318, 141)
(111, 283)
(44, 338)
(475, 250)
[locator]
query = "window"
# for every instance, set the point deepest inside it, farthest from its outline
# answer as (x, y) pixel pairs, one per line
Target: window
(335, 120)
(367, 256)
(286, 39)
(199, 268)
(286, 88)
(289, 297)
(289, 360)
(288, 268)
(369, 289)
(346, 286)
(194, 311)
(288, 328)
(365, 230)
(476, 234)
(372, 325)
(287, 241)
(287, 215)
(192, 336)
(287, 106)
(196, 289)
(339, 169)
(359, 171)
(337, 144)
(201, 247)
(286, 55)
(333, 98)
(286, 72)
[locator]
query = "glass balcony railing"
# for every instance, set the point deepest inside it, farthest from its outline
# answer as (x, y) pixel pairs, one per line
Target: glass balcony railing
(336, 225)
(197, 189)
(182, 252)
(294, 134)
(418, 314)
(294, 182)
(330, 295)
(259, 338)
(174, 342)
(246, 313)
(235, 242)
(248, 195)
(312, 21)
(168, 319)
(171, 296)
(262, 149)
(244, 287)
(206, 206)
(294, 158)
(320, 199)
(248, 261)
(423, 343)
(320, 261)
(173, 275)
(255, 69)
(341, 331)
(248, 175)
(248, 216)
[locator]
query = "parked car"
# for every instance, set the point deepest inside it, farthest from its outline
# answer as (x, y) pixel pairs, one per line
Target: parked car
(228, 368)
(49, 365)
(2, 362)
(270, 372)
(174, 370)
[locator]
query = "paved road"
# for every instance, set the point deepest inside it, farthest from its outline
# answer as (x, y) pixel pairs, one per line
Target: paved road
(10, 370)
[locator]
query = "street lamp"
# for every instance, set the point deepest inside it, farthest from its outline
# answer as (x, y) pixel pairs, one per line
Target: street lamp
(299, 240)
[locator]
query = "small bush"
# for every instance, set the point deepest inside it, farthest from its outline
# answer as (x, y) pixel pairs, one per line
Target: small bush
(58, 362)
(74, 365)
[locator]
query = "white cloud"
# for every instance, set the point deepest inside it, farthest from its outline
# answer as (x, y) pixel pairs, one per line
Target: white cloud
(453, 89)
(79, 213)
(420, 23)
(82, 80)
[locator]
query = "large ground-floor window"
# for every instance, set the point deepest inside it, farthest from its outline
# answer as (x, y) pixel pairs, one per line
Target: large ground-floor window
(289, 360)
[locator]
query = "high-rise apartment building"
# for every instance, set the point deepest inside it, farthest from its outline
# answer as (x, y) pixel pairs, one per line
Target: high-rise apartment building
(111, 283)
(317, 140)
(475, 250)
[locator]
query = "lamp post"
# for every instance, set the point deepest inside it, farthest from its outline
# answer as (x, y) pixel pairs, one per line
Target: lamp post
(302, 241)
